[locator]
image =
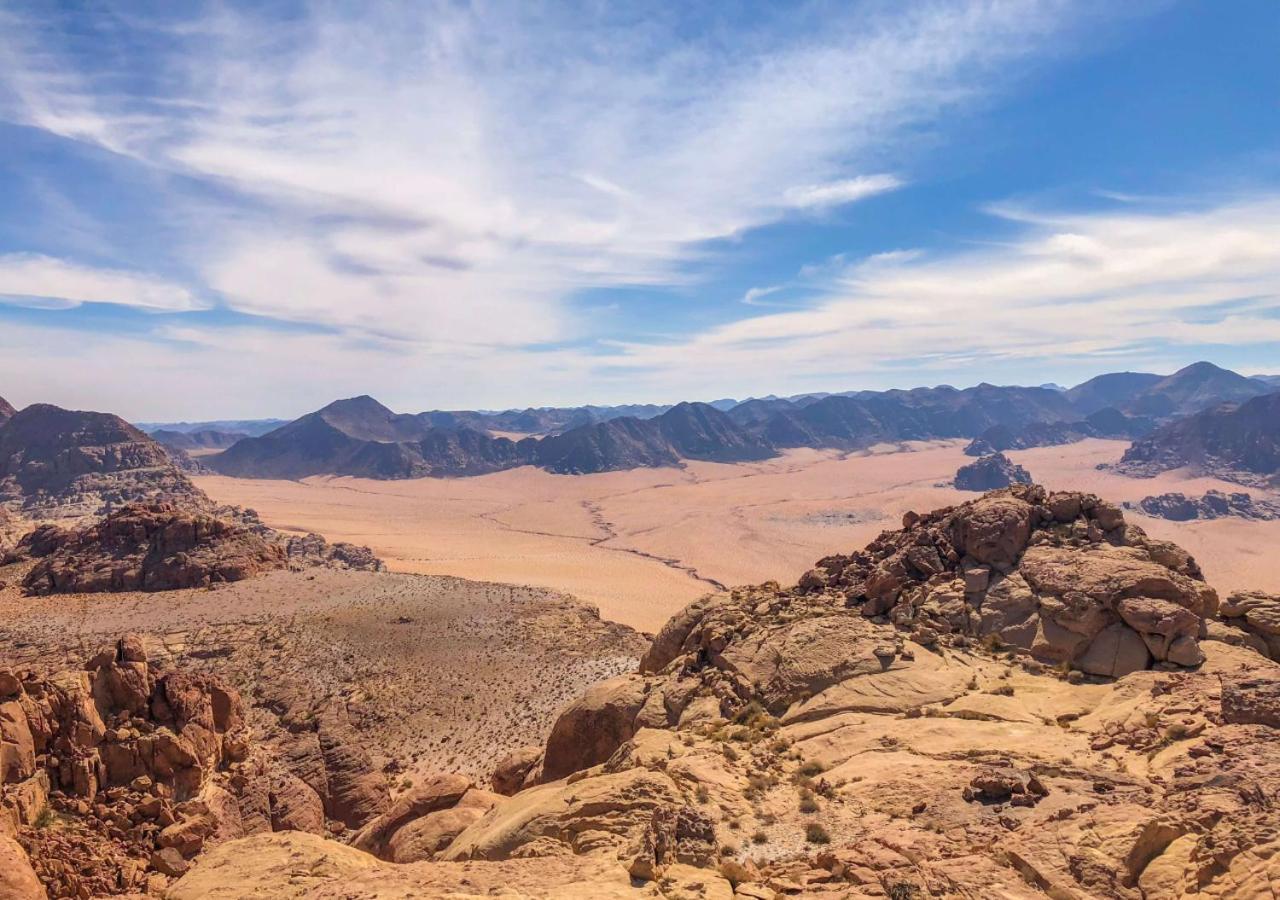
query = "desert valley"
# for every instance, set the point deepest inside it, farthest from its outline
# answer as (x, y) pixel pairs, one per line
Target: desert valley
(668, 668)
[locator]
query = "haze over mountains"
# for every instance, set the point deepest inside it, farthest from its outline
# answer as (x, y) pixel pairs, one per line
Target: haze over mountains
(361, 437)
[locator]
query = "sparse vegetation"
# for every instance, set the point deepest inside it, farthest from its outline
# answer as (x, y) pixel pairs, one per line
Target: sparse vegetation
(814, 833)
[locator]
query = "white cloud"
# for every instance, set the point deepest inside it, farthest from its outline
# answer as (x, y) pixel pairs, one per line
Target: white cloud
(836, 193)
(1073, 287)
(463, 170)
(32, 279)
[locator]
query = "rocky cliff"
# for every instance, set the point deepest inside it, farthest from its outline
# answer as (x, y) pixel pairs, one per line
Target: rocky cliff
(57, 463)
(1236, 443)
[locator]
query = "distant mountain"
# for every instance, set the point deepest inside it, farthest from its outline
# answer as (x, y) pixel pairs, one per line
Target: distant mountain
(758, 410)
(1105, 423)
(1197, 387)
(1116, 390)
(360, 437)
(251, 427)
(871, 417)
(540, 421)
(7, 411)
(1269, 380)
(56, 462)
(197, 440)
(1237, 442)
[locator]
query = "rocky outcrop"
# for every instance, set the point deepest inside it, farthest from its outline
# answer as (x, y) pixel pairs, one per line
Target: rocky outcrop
(1257, 614)
(57, 463)
(990, 473)
(1059, 576)
(7, 411)
(149, 547)
(1235, 443)
(139, 768)
(1179, 507)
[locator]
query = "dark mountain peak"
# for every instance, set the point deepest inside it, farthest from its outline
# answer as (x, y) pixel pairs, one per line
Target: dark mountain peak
(1237, 442)
(45, 424)
(64, 462)
(7, 411)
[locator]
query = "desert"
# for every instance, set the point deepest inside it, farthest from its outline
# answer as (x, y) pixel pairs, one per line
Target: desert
(639, 451)
(641, 544)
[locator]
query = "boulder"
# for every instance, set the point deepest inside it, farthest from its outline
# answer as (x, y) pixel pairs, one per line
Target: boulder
(591, 728)
(513, 770)
(437, 793)
(1115, 652)
(18, 880)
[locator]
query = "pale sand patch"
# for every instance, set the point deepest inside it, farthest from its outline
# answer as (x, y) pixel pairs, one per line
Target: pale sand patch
(642, 544)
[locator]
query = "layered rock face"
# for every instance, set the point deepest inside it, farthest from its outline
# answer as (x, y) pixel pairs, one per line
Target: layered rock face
(1257, 615)
(118, 772)
(57, 463)
(1212, 505)
(990, 473)
(148, 547)
(1060, 576)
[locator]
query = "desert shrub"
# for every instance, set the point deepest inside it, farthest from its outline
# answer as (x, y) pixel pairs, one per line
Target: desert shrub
(816, 834)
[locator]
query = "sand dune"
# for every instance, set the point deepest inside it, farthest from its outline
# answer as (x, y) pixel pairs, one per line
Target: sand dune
(643, 543)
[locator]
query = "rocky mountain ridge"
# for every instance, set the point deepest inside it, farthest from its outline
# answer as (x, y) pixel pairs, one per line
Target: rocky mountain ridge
(361, 437)
(1239, 443)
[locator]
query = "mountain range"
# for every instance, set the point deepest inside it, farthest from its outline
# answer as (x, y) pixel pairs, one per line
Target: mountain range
(361, 437)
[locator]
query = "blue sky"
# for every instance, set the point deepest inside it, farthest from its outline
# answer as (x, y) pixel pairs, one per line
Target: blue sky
(250, 210)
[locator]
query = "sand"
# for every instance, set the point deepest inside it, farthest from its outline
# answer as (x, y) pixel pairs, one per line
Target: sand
(641, 544)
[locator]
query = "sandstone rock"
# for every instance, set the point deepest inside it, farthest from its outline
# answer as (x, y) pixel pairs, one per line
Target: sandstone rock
(438, 793)
(17, 879)
(592, 728)
(1256, 614)
(1114, 653)
(512, 770)
(990, 473)
(1212, 505)
(152, 547)
(424, 838)
(294, 805)
(1251, 701)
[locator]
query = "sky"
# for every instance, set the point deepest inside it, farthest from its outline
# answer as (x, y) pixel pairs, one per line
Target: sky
(248, 210)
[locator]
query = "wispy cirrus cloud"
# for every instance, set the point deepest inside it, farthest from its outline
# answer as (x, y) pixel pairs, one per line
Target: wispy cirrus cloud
(33, 279)
(450, 171)
(1077, 287)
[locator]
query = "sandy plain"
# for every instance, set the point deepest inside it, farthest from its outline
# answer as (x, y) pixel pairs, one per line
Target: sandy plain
(643, 543)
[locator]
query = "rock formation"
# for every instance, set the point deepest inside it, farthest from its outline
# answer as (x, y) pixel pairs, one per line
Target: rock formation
(1235, 443)
(7, 411)
(162, 546)
(1257, 614)
(58, 463)
(990, 473)
(148, 547)
(1060, 576)
(1179, 507)
(115, 776)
